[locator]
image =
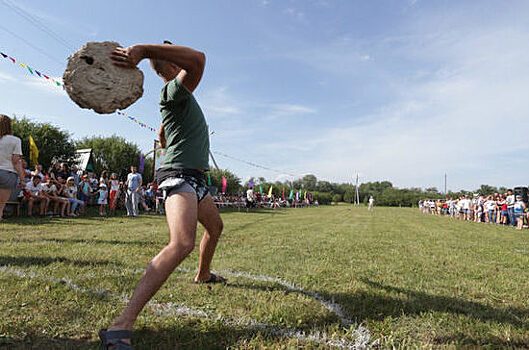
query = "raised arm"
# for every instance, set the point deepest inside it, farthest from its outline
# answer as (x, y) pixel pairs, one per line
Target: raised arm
(191, 61)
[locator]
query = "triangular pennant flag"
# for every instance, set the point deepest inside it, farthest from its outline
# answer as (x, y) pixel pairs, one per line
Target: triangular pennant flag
(3, 54)
(30, 70)
(22, 64)
(38, 73)
(12, 59)
(58, 84)
(45, 76)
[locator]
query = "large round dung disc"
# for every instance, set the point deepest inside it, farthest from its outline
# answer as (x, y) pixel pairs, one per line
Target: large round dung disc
(93, 82)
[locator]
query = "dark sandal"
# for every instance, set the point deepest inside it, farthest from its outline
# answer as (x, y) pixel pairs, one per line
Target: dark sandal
(112, 339)
(213, 279)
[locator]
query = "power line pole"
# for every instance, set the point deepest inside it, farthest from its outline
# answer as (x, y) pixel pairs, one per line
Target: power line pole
(357, 196)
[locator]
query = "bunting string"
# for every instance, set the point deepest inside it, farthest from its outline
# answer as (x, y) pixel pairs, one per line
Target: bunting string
(141, 124)
(48, 77)
(33, 71)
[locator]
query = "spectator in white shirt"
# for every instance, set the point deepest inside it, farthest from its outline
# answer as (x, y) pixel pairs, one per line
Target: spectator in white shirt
(33, 195)
(10, 162)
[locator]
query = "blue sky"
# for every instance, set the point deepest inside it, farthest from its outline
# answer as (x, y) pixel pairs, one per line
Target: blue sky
(404, 91)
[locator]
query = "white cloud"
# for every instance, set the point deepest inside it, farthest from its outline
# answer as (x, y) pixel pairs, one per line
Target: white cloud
(467, 117)
(289, 109)
(295, 13)
(6, 77)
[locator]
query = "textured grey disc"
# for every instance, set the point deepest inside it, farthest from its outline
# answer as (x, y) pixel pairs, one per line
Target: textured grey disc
(93, 82)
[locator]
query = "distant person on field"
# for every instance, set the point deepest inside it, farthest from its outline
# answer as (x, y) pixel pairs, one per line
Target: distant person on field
(134, 181)
(250, 198)
(371, 203)
(11, 172)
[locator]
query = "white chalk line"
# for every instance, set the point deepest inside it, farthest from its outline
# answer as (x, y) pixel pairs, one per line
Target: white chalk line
(361, 337)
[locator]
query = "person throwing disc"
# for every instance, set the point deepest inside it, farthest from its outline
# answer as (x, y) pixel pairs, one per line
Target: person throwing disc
(184, 135)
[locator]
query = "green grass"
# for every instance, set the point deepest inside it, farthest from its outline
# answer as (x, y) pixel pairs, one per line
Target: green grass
(413, 280)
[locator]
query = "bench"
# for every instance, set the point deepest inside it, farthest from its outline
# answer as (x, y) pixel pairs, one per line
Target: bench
(17, 206)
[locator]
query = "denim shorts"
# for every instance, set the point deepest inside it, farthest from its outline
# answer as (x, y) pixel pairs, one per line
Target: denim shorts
(8, 180)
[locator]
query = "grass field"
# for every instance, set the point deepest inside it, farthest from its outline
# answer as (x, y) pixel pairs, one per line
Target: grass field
(297, 278)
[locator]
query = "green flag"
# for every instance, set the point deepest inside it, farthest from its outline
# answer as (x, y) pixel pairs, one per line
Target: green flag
(260, 189)
(291, 195)
(209, 180)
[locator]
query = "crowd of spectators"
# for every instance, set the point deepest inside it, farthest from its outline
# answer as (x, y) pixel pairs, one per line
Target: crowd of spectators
(500, 209)
(63, 191)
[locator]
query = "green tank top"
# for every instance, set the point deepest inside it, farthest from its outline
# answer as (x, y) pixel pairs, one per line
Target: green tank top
(186, 131)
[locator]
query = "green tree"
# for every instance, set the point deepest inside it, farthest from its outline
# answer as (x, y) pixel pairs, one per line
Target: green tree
(53, 143)
(233, 182)
(337, 198)
(349, 195)
(112, 153)
(309, 182)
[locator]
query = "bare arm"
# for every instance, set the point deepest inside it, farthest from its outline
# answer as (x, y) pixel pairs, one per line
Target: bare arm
(161, 136)
(17, 163)
(188, 59)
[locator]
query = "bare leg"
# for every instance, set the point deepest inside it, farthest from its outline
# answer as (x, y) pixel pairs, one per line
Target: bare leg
(208, 216)
(181, 209)
(4, 196)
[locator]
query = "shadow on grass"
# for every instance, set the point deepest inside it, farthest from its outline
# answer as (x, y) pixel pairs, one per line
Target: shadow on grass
(193, 334)
(44, 261)
(365, 306)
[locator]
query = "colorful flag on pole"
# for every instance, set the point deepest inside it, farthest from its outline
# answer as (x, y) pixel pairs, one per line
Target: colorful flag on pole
(260, 189)
(209, 180)
(270, 191)
(33, 152)
(305, 195)
(283, 194)
(297, 195)
(291, 195)
(251, 184)
(224, 184)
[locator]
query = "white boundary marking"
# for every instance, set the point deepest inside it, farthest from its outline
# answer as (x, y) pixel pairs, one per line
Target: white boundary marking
(361, 337)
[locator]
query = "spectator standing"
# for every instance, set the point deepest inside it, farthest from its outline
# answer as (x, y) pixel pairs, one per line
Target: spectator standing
(510, 207)
(250, 198)
(371, 203)
(518, 210)
(85, 189)
(134, 182)
(104, 178)
(102, 199)
(490, 210)
(10, 162)
(114, 191)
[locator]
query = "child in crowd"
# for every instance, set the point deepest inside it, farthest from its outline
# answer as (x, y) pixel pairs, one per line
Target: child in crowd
(102, 200)
(85, 189)
(114, 190)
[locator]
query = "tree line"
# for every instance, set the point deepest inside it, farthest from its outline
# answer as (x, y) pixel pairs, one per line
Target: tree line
(116, 154)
